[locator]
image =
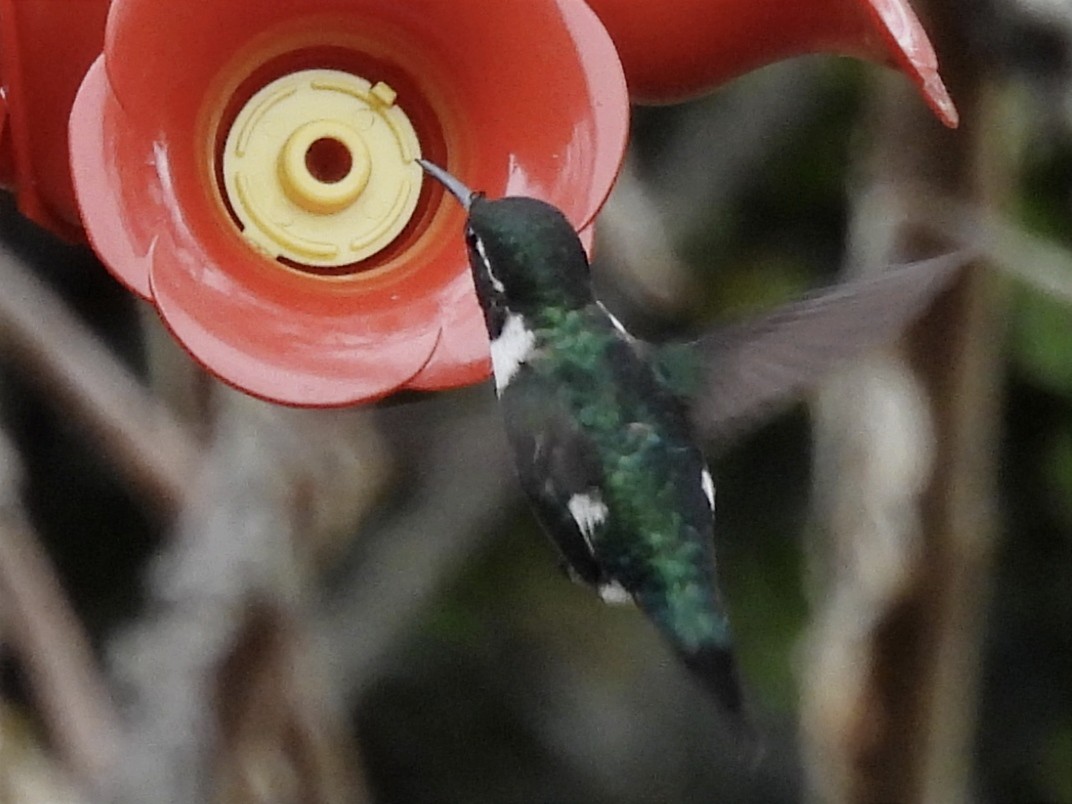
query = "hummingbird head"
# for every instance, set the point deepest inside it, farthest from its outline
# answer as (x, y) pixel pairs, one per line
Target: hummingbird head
(524, 254)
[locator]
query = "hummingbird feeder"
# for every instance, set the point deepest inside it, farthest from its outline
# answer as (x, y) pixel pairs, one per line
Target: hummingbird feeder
(249, 166)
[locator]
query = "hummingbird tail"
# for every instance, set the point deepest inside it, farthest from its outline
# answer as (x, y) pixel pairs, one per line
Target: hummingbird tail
(716, 670)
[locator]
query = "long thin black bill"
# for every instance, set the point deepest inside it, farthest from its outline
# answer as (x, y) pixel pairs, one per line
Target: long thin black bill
(456, 188)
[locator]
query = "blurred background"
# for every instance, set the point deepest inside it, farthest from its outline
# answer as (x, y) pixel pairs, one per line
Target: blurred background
(207, 598)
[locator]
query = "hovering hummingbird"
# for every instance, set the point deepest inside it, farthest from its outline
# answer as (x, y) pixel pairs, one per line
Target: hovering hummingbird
(599, 422)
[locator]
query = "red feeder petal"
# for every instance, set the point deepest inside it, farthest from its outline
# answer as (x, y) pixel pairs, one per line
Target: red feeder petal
(683, 48)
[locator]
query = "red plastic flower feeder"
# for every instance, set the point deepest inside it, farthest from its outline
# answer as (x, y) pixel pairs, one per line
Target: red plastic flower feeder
(249, 167)
(678, 49)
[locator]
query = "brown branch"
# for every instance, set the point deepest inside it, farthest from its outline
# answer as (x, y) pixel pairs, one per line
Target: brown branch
(65, 358)
(906, 467)
(225, 698)
(49, 642)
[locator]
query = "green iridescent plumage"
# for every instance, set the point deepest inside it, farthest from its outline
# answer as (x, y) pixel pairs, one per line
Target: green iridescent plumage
(658, 543)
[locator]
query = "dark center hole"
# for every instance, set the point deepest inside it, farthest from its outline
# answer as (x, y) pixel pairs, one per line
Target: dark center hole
(328, 160)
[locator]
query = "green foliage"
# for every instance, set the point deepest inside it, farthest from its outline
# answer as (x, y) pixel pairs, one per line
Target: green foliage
(1042, 340)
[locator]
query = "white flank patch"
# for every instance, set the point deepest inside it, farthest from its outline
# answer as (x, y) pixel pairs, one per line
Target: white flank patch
(478, 244)
(510, 350)
(589, 512)
(614, 594)
(614, 320)
(708, 487)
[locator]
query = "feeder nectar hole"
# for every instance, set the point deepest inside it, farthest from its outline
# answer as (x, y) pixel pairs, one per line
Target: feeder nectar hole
(329, 160)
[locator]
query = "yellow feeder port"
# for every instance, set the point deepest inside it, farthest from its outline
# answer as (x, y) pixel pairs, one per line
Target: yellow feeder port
(319, 167)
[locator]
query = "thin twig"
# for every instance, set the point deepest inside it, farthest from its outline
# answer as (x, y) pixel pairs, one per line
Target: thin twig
(57, 351)
(49, 642)
(1029, 258)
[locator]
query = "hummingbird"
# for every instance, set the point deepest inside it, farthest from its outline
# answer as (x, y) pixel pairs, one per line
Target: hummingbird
(605, 428)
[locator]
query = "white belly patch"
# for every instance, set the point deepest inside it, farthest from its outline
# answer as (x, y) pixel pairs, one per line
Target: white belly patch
(510, 350)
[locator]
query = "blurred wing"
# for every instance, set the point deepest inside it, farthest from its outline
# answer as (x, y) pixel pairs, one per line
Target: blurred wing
(736, 374)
